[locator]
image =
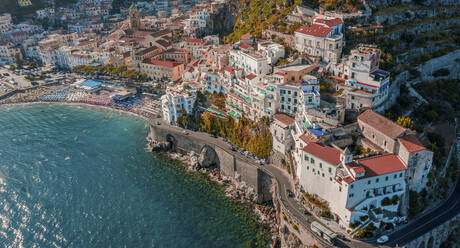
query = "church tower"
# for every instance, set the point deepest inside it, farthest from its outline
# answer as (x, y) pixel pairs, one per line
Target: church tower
(134, 17)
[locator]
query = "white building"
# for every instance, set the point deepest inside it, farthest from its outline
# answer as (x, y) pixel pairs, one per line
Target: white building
(45, 13)
(5, 23)
(272, 51)
(351, 187)
(281, 132)
(250, 61)
(368, 86)
(323, 39)
(176, 99)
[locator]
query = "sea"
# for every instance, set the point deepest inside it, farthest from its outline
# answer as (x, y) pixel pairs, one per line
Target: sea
(73, 176)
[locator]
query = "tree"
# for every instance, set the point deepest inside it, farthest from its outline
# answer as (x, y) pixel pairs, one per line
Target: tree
(405, 122)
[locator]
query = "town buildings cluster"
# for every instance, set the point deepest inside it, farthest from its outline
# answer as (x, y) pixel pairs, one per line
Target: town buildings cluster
(172, 42)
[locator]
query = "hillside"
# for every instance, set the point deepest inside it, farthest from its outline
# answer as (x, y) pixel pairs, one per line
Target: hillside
(255, 15)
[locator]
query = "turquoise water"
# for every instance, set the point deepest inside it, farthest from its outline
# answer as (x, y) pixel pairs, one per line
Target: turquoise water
(79, 177)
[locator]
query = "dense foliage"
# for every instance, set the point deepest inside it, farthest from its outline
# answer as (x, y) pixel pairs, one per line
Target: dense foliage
(255, 137)
(256, 15)
(110, 69)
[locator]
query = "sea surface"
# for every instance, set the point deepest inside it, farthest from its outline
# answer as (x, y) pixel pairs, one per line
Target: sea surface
(81, 177)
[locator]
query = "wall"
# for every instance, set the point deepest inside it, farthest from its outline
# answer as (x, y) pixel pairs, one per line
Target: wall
(229, 164)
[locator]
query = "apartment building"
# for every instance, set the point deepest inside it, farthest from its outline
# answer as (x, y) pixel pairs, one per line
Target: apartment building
(248, 60)
(176, 100)
(162, 69)
(384, 135)
(323, 39)
(272, 51)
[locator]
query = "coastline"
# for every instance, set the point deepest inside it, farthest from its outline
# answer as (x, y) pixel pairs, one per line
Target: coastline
(265, 216)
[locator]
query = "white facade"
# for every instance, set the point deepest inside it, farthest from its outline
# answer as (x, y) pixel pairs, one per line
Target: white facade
(175, 100)
(249, 61)
(5, 23)
(272, 51)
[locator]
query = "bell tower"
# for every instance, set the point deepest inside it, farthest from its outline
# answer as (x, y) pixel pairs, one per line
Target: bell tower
(134, 17)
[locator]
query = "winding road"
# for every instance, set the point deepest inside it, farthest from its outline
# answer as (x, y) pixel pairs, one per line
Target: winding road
(414, 229)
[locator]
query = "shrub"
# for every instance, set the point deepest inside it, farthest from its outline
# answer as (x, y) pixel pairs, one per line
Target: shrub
(441, 72)
(295, 227)
(386, 201)
(355, 224)
(326, 214)
(395, 199)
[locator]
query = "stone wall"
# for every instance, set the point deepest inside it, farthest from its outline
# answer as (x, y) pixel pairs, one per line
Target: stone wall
(228, 164)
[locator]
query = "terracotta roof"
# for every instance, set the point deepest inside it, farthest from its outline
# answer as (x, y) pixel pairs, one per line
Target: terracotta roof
(326, 153)
(411, 143)
(229, 69)
(244, 46)
(164, 63)
(358, 169)
(382, 165)
(330, 22)
(348, 180)
(285, 119)
(191, 40)
(314, 30)
(308, 138)
(251, 76)
(381, 124)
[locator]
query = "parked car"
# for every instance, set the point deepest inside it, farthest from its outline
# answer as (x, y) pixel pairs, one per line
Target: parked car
(185, 132)
(213, 135)
(304, 211)
(383, 239)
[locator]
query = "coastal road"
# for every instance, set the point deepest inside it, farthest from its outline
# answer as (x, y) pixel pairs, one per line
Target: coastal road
(426, 222)
(281, 177)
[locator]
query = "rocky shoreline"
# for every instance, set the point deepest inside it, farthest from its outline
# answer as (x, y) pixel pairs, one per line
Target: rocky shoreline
(235, 189)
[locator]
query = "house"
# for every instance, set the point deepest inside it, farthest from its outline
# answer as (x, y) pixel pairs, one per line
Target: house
(323, 39)
(177, 99)
(281, 131)
(382, 134)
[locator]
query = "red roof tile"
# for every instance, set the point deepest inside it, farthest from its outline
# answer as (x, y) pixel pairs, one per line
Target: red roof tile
(244, 46)
(164, 63)
(382, 165)
(308, 138)
(356, 168)
(191, 40)
(314, 30)
(411, 143)
(330, 22)
(326, 153)
(348, 180)
(251, 76)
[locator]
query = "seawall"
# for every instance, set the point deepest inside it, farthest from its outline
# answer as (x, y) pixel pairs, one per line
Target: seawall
(231, 164)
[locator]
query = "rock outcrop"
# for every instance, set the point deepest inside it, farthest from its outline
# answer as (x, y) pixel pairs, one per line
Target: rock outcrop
(208, 157)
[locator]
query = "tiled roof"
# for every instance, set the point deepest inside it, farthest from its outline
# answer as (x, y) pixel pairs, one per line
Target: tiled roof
(314, 30)
(382, 124)
(164, 63)
(192, 40)
(331, 22)
(411, 143)
(244, 46)
(381, 165)
(326, 153)
(308, 138)
(251, 76)
(285, 119)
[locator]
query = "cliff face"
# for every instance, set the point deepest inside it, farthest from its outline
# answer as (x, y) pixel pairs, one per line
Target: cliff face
(224, 20)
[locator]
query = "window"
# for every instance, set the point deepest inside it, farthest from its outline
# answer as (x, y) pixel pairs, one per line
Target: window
(369, 182)
(386, 178)
(395, 176)
(320, 165)
(340, 189)
(377, 180)
(295, 109)
(312, 161)
(330, 179)
(282, 106)
(308, 167)
(295, 93)
(330, 170)
(313, 169)
(306, 157)
(351, 195)
(351, 186)
(400, 174)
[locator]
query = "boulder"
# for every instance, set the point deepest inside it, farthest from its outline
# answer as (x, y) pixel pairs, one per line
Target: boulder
(208, 157)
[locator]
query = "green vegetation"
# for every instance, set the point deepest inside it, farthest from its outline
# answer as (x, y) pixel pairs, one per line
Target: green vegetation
(325, 211)
(413, 206)
(349, 5)
(366, 232)
(110, 69)
(218, 99)
(387, 201)
(255, 137)
(257, 15)
(405, 122)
